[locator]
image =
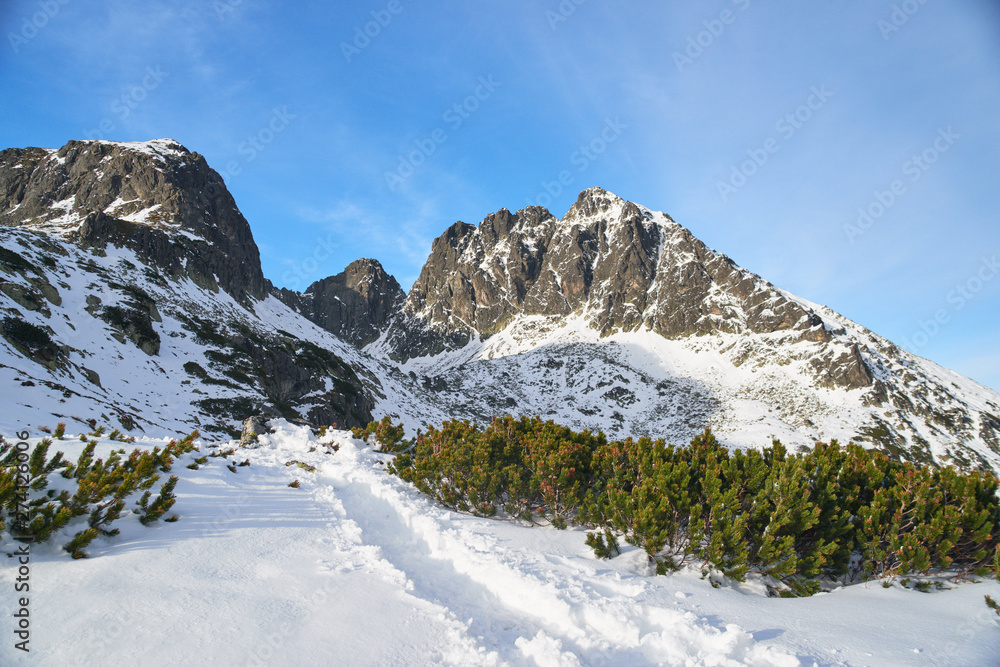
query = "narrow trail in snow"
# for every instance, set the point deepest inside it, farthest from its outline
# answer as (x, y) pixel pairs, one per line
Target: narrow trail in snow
(519, 608)
(491, 624)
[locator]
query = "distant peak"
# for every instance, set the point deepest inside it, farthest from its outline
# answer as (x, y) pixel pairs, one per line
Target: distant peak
(164, 143)
(157, 148)
(595, 202)
(598, 192)
(366, 265)
(159, 144)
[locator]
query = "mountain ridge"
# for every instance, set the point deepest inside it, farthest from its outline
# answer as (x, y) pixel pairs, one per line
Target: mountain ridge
(132, 289)
(613, 317)
(624, 265)
(157, 197)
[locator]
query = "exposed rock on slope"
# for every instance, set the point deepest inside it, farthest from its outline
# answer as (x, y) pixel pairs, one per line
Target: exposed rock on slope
(117, 266)
(123, 344)
(355, 305)
(157, 198)
(622, 266)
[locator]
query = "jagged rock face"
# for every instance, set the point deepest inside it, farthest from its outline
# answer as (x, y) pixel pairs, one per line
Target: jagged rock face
(355, 305)
(156, 198)
(622, 266)
(106, 334)
(293, 374)
(172, 218)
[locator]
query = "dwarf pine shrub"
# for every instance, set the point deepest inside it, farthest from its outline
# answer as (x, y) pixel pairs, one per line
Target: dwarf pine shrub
(605, 545)
(100, 489)
(523, 468)
(164, 501)
(388, 437)
(992, 604)
(832, 512)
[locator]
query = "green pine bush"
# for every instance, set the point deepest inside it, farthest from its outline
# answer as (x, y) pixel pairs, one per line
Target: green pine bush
(830, 513)
(389, 438)
(605, 545)
(164, 501)
(100, 493)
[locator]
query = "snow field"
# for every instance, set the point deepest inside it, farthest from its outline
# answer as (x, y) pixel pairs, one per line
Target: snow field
(357, 568)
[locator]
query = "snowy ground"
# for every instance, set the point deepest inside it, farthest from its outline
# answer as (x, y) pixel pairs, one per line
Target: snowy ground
(356, 568)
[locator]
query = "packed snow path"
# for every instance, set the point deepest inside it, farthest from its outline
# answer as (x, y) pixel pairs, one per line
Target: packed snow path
(357, 568)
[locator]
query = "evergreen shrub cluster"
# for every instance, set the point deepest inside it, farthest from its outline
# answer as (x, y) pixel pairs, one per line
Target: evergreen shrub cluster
(833, 512)
(523, 468)
(383, 433)
(98, 489)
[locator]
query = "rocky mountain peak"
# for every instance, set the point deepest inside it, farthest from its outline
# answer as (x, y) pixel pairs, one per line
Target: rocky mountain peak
(594, 202)
(355, 305)
(621, 266)
(598, 205)
(155, 197)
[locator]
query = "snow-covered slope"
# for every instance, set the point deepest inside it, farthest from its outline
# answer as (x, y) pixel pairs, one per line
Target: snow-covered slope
(745, 387)
(131, 293)
(127, 347)
(356, 568)
(616, 318)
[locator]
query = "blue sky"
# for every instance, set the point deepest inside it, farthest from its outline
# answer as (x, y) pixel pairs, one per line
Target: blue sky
(366, 128)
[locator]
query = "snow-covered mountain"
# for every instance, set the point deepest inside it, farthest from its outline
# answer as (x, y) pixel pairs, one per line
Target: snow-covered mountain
(616, 317)
(131, 296)
(132, 292)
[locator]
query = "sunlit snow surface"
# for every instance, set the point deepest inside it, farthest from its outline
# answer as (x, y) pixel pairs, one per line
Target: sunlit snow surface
(748, 388)
(357, 568)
